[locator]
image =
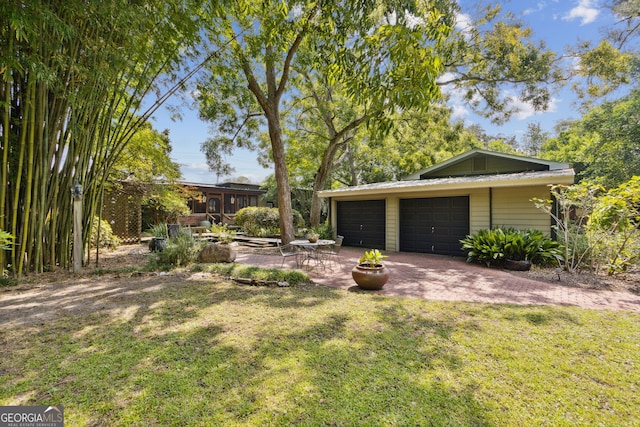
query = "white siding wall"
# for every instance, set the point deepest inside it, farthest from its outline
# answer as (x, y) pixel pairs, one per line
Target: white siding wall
(479, 215)
(393, 226)
(512, 207)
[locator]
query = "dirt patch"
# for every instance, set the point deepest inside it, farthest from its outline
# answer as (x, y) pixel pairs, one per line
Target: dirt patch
(625, 282)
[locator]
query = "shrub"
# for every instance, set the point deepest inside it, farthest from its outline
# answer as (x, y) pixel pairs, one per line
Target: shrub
(179, 251)
(224, 234)
(107, 238)
(255, 221)
(494, 246)
(598, 227)
(159, 230)
(613, 228)
(6, 240)
(323, 230)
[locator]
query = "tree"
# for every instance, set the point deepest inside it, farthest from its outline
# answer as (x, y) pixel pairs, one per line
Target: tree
(612, 63)
(147, 157)
(491, 61)
(533, 139)
(74, 74)
(381, 52)
(606, 140)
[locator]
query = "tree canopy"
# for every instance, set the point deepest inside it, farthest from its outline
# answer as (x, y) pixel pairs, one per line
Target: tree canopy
(383, 53)
(606, 141)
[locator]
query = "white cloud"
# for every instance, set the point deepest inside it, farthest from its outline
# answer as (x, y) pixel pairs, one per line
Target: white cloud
(458, 111)
(586, 11)
(539, 7)
(464, 24)
(524, 110)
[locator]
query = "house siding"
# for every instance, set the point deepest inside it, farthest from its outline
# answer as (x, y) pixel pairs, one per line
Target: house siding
(393, 226)
(512, 207)
(479, 210)
(492, 165)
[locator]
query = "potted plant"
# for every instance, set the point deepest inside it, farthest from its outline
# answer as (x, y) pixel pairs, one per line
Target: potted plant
(159, 240)
(313, 237)
(370, 273)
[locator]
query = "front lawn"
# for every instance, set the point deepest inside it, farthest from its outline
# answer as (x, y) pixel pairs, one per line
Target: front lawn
(212, 352)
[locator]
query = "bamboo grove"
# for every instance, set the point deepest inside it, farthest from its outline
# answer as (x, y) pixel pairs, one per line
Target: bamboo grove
(74, 75)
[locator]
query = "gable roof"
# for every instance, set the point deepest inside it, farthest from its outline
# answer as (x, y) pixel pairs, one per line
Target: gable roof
(523, 164)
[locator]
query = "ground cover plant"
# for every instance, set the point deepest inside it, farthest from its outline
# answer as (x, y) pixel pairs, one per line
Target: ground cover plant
(494, 246)
(194, 349)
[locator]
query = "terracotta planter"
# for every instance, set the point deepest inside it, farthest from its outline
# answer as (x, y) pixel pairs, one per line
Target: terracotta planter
(514, 265)
(370, 278)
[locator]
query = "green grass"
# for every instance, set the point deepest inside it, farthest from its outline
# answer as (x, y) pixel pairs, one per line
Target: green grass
(218, 353)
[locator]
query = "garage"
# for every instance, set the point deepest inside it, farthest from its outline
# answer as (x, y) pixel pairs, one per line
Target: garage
(434, 225)
(362, 223)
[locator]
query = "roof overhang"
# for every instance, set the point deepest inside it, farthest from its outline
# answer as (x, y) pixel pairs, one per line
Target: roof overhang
(560, 176)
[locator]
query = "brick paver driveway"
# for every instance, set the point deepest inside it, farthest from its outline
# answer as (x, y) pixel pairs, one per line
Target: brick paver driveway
(437, 277)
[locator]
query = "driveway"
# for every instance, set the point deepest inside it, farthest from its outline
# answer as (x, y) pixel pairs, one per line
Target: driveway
(436, 277)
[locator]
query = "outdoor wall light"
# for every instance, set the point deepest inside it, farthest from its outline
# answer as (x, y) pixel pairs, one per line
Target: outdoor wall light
(76, 190)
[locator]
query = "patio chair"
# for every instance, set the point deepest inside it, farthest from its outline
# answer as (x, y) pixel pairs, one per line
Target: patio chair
(288, 251)
(330, 253)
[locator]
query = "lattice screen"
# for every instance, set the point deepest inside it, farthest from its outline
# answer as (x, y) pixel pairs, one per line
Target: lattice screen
(122, 208)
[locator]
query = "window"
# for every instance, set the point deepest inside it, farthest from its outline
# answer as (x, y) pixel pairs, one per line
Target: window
(213, 204)
(229, 203)
(198, 204)
(241, 202)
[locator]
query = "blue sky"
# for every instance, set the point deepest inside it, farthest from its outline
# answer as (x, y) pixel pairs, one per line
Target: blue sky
(558, 22)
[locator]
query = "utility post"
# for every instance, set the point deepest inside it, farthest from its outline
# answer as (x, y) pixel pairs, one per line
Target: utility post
(76, 192)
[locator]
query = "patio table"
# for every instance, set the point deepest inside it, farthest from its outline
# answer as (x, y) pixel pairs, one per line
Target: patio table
(310, 250)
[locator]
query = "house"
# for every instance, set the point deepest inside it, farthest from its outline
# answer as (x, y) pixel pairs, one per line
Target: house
(218, 203)
(431, 210)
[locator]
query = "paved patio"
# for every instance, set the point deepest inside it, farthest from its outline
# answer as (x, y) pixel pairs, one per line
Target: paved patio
(436, 277)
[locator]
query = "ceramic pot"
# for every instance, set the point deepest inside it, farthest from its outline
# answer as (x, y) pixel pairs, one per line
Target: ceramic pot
(370, 278)
(157, 244)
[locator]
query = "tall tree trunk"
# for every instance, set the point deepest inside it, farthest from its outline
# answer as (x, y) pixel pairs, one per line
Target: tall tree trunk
(287, 232)
(326, 165)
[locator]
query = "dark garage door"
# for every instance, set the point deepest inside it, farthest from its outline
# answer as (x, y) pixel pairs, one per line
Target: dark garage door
(362, 223)
(434, 225)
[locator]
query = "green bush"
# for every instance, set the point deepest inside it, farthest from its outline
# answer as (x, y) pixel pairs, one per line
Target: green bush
(179, 251)
(159, 230)
(323, 230)
(598, 227)
(257, 221)
(224, 234)
(494, 246)
(6, 240)
(107, 238)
